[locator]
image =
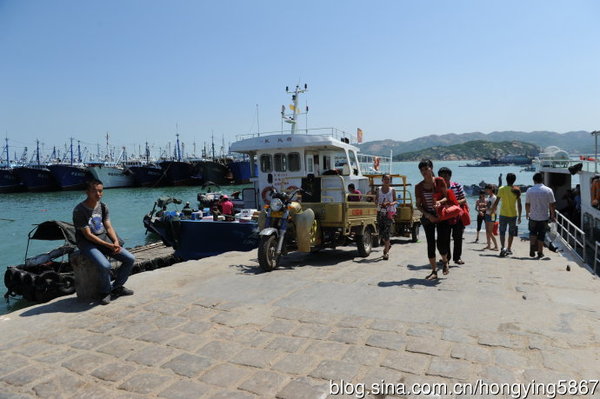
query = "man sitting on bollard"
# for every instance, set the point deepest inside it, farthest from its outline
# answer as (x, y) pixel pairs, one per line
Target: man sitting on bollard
(97, 239)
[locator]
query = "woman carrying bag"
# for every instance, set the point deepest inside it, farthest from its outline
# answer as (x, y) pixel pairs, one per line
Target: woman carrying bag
(432, 196)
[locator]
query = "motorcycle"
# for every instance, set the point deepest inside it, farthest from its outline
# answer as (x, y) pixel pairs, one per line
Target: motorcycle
(285, 227)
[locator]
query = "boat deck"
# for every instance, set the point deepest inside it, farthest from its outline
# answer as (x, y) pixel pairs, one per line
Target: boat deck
(218, 328)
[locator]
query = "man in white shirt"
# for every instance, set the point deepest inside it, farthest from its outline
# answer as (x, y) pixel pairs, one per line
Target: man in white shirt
(540, 207)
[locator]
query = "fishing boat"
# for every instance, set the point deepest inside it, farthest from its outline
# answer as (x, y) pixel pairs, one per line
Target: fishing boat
(177, 171)
(9, 181)
(195, 233)
(36, 176)
(71, 176)
(147, 173)
(111, 174)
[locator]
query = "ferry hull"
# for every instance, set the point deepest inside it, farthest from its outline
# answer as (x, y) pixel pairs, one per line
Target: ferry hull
(36, 179)
(70, 177)
(112, 177)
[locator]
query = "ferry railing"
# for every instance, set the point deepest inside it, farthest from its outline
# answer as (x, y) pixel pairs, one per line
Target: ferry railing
(596, 260)
(588, 164)
(572, 236)
(323, 131)
(374, 164)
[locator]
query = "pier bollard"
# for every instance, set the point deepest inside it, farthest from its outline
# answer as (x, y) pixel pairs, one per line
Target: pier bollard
(87, 277)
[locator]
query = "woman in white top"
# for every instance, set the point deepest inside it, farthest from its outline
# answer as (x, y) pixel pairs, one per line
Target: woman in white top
(386, 206)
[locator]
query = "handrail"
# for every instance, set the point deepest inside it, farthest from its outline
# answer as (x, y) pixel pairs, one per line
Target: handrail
(564, 227)
(329, 131)
(596, 260)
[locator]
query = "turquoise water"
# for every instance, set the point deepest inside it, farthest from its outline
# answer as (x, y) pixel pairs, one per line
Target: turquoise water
(19, 212)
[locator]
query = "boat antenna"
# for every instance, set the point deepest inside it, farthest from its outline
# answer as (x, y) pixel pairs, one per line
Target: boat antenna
(257, 121)
(293, 118)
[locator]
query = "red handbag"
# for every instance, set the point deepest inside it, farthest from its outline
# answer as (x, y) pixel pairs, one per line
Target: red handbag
(450, 209)
(466, 216)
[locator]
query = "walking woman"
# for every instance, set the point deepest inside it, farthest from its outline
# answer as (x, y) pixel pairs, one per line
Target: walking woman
(431, 194)
(386, 205)
(490, 217)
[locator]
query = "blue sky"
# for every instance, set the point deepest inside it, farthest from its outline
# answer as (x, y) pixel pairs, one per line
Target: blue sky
(396, 69)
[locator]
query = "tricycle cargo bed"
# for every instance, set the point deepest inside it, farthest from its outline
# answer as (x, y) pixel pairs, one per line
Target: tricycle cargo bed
(343, 214)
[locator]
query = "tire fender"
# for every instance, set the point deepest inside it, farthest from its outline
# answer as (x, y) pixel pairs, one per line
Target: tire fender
(269, 231)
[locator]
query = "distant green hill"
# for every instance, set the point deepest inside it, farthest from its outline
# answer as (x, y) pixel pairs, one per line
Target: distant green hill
(477, 149)
(577, 141)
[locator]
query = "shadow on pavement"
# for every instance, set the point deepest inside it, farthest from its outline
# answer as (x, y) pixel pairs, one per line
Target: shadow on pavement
(423, 267)
(411, 282)
(66, 305)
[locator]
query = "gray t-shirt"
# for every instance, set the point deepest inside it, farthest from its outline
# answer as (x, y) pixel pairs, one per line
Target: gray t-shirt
(92, 218)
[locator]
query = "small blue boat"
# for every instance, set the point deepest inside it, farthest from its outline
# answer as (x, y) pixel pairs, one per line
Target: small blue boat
(195, 236)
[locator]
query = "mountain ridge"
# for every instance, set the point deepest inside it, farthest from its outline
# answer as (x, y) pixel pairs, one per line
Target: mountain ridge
(573, 141)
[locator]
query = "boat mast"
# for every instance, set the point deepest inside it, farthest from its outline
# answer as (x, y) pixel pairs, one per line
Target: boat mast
(7, 153)
(177, 151)
(79, 151)
(293, 119)
(37, 151)
(71, 151)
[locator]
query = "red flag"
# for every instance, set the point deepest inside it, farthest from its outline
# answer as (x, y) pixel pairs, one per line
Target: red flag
(359, 135)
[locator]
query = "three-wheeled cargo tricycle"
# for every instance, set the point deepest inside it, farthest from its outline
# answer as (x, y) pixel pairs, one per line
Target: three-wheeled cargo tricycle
(407, 220)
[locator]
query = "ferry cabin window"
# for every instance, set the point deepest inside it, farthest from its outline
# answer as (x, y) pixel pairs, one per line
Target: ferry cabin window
(266, 163)
(353, 162)
(341, 163)
(326, 162)
(309, 164)
(280, 161)
(294, 161)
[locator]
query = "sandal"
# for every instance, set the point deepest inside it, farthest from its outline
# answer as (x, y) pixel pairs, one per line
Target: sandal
(386, 256)
(446, 270)
(460, 262)
(432, 276)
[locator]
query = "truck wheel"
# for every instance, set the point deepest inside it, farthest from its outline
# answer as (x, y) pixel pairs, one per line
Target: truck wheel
(365, 242)
(415, 232)
(266, 253)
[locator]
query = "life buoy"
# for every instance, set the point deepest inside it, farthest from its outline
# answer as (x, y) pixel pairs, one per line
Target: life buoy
(376, 163)
(265, 192)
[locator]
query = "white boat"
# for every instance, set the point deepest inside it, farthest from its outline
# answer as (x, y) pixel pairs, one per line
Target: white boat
(321, 161)
(111, 174)
(577, 233)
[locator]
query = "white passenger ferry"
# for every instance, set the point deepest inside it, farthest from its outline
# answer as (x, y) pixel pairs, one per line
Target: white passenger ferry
(579, 233)
(321, 161)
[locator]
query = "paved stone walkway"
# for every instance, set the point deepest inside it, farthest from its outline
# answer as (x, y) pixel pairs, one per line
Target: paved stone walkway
(218, 328)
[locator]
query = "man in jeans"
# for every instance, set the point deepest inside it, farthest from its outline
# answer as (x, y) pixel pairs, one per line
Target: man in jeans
(456, 226)
(510, 212)
(539, 209)
(97, 239)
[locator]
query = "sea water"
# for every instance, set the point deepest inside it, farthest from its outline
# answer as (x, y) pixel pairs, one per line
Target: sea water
(20, 212)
